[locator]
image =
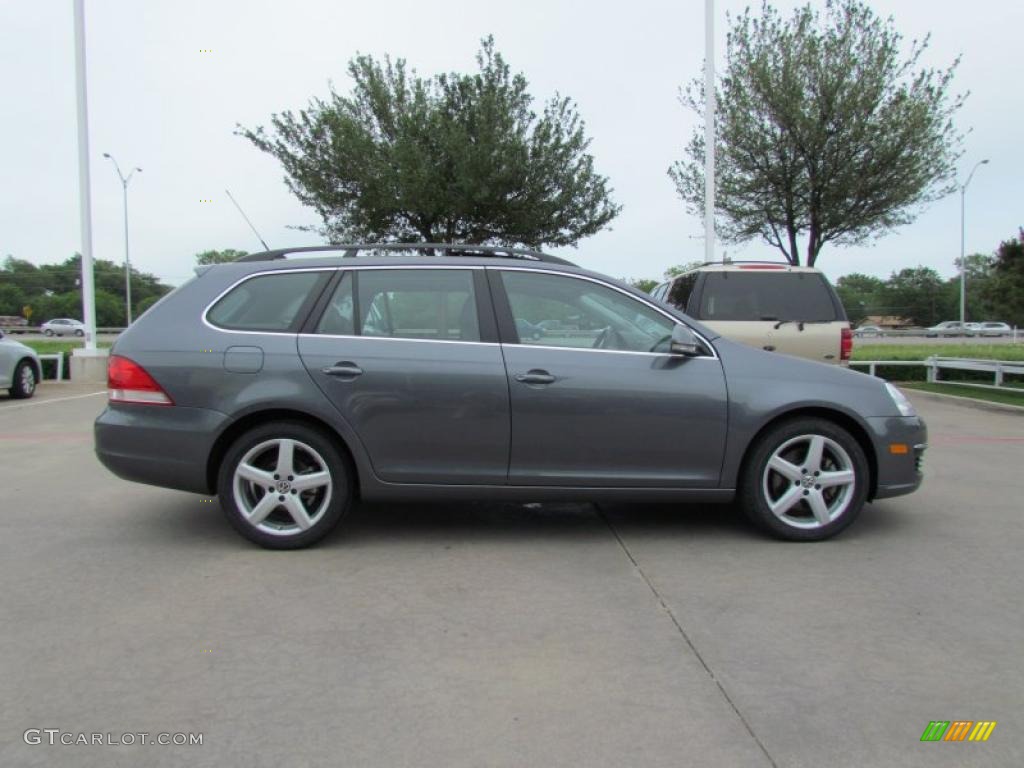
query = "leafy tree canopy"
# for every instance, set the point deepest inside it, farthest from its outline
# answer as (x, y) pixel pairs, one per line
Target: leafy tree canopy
(54, 290)
(452, 158)
(826, 132)
(219, 257)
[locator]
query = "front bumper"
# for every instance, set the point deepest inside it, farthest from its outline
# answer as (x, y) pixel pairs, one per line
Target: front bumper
(898, 473)
(158, 445)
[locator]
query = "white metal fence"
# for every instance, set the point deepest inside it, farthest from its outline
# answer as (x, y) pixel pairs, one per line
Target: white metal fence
(934, 366)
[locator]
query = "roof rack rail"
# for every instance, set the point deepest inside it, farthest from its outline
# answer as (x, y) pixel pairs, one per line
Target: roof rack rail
(748, 261)
(449, 249)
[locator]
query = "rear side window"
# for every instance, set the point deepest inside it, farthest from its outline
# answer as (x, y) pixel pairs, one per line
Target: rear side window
(767, 296)
(434, 304)
(679, 293)
(264, 303)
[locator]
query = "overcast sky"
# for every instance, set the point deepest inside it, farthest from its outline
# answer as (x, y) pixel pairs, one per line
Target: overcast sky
(157, 101)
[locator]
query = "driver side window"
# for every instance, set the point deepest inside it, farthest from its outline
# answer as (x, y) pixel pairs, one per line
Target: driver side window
(563, 311)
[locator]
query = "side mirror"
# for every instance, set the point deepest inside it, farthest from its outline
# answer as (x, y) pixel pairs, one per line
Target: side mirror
(684, 342)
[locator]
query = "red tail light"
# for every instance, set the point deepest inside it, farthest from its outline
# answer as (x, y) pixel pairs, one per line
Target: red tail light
(846, 345)
(128, 382)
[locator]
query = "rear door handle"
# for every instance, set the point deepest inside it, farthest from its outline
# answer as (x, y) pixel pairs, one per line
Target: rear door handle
(535, 376)
(344, 370)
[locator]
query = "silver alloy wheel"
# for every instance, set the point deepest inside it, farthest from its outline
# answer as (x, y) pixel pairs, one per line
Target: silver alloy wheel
(282, 487)
(28, 380)
(809, 481)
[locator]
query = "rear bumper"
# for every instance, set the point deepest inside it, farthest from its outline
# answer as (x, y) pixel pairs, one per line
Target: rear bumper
(156, 445)
(898, 473)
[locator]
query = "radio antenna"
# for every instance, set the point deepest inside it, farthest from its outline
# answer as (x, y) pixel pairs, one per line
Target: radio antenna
(265, 246)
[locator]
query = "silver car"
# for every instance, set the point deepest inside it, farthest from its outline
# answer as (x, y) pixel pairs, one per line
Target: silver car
(19, 367)
(63, 326)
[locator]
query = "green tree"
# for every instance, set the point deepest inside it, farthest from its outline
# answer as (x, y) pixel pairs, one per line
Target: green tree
(1003, 292)
(825, 131)
(920, 294)
(219, 257)
(54, 290)
(862, 295)
(678, 269)
(145, 304)
(642, 283)
(452, 158)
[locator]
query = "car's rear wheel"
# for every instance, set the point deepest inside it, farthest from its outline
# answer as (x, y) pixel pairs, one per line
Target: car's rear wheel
(805, 480)
(284, 485)
(79, 332)
(24, 382)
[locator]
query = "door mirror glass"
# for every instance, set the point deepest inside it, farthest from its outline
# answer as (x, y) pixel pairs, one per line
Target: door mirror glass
(684, 342)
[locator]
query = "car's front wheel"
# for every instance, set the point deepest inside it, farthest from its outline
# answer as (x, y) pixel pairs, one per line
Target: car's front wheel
(24, 382)
(805, 480)
(48, 332)
(284, 485)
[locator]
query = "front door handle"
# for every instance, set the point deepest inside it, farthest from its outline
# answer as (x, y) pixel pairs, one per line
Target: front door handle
(536, 376)
(344, 369)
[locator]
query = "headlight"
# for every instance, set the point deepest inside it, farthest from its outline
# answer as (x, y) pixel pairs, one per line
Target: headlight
(900, 400)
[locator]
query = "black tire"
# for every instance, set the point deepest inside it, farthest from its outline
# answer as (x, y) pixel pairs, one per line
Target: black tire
(281, 520)
(79, 332)
(23, 385)
(47, 332)
(800, 523)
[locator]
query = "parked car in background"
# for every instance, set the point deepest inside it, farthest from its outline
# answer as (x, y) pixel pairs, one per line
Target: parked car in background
(306, 404)
(528, 330)
(951, 328)
(868, 330)
(990, 328)
(63, 327)
(20, 370)
(772, 306)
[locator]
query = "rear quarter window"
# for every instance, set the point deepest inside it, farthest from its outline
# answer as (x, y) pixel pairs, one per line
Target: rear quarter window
(265, 303)
(794, 296)
(679, 294)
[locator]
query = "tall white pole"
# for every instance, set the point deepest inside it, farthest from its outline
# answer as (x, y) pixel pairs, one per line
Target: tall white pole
(709, 130)
(84, 200)
(963, 242)
(963, 261)
(127, 261)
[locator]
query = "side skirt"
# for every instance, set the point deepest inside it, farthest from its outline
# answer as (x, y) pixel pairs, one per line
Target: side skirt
(378, 491)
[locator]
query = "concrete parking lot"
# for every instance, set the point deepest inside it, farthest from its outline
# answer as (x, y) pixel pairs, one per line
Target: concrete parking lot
(507, 635)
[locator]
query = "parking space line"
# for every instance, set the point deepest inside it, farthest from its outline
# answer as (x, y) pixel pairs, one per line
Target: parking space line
(19, 406)
(686, 637)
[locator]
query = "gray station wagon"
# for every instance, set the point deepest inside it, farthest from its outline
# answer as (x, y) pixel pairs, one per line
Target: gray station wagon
(293, 382)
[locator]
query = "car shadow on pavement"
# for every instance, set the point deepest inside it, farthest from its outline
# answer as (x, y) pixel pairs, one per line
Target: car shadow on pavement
(514, 521)
(188, 520)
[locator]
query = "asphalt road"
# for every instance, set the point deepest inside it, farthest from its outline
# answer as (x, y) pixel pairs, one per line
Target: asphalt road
(507, 635)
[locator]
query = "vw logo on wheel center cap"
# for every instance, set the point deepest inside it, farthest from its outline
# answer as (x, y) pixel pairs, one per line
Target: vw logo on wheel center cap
(283, 486)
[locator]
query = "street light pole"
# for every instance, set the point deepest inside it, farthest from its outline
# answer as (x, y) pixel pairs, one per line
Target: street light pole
(963, 243)
(709, 130)
(127, 260)
(84, 199)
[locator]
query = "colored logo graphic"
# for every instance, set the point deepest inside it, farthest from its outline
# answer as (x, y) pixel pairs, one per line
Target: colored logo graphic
(958, 730)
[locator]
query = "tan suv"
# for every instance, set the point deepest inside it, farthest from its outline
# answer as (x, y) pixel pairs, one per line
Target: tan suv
(772, 306)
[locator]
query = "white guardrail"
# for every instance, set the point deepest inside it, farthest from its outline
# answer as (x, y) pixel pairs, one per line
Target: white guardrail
(935, 365)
